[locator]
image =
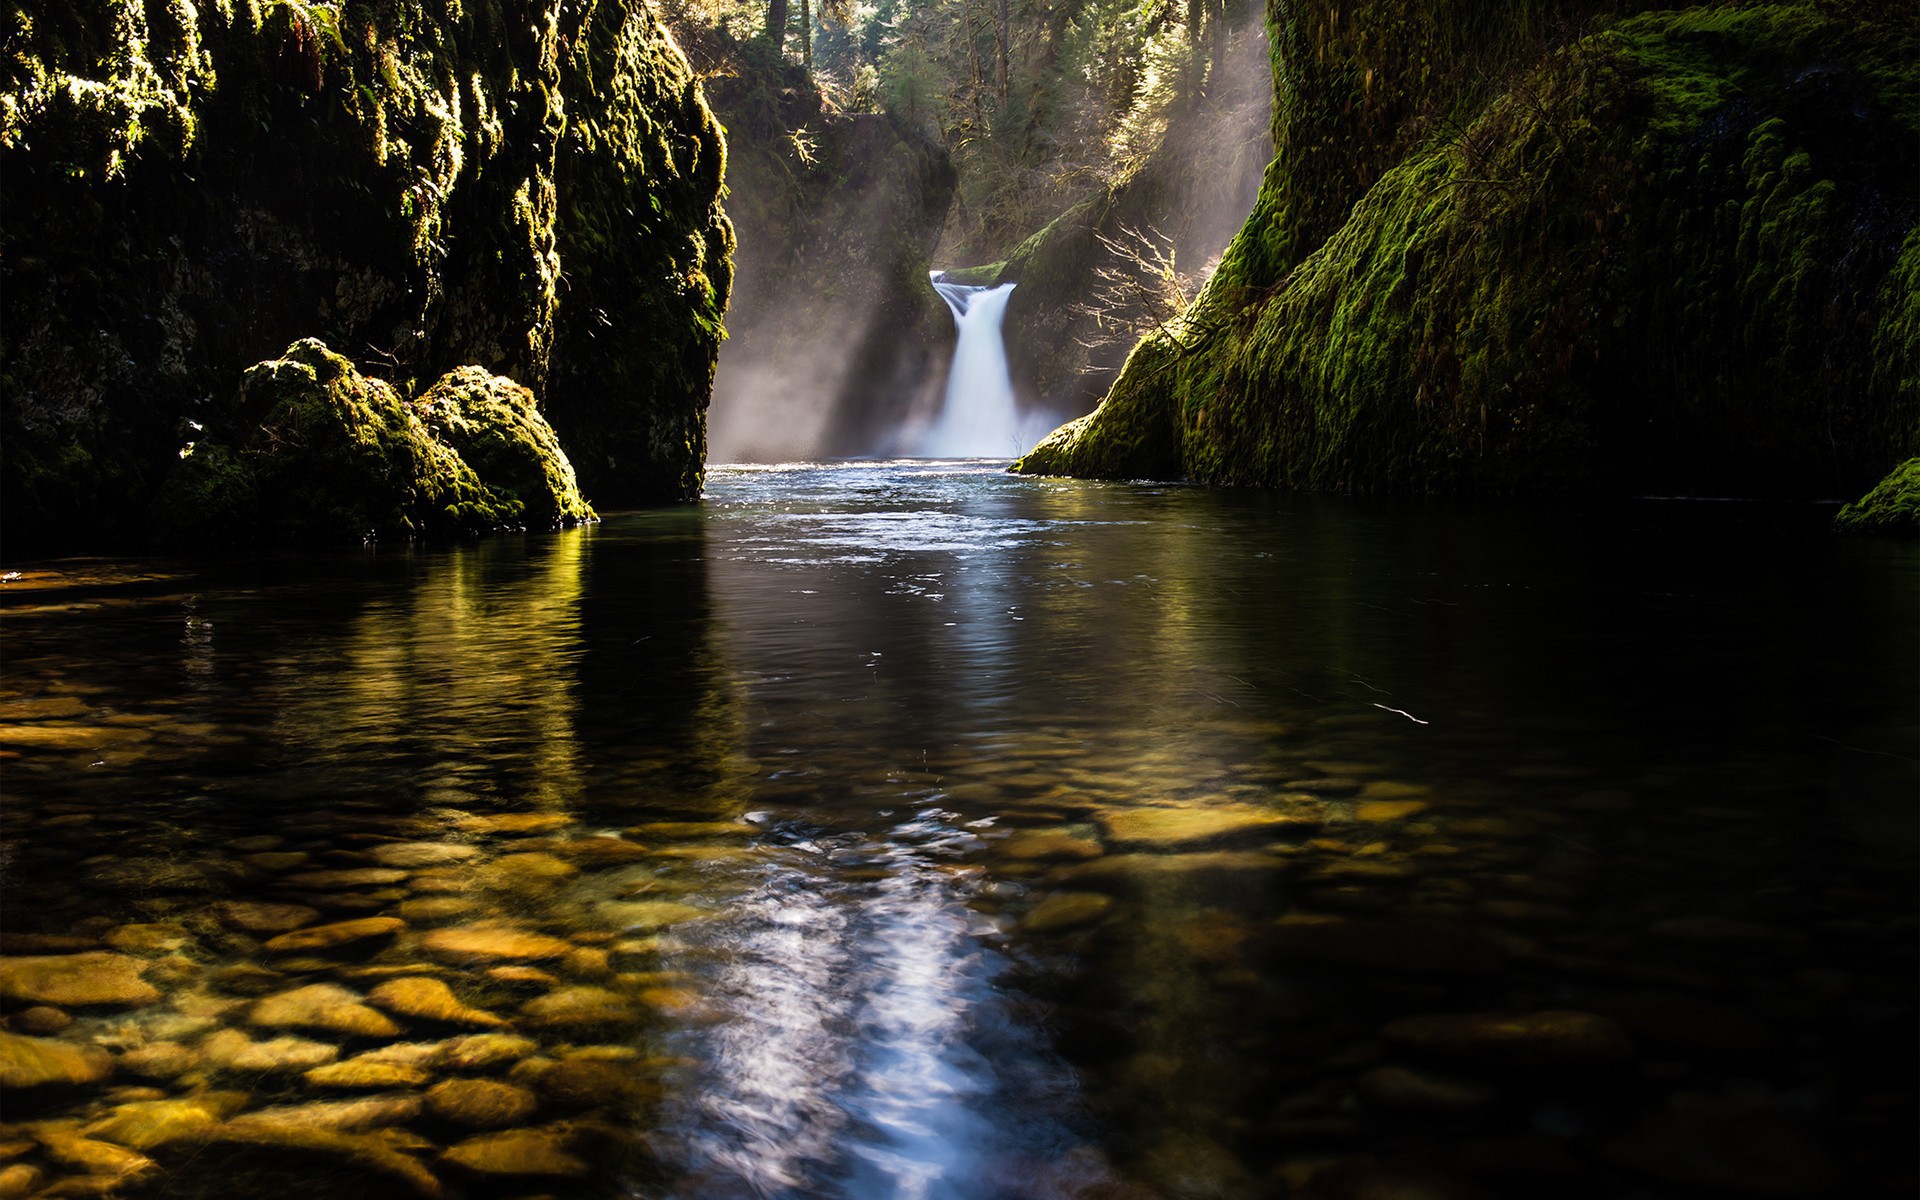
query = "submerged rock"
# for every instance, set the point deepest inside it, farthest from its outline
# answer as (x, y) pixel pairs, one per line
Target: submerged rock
(421, 854)
(323, 1006)
(518, 1152)
(1185, 826)
(148, 1124)
(365, 1112)
(578, 1006)
(95, 978)
(486, 1051)
(430, 1000)
(335, 935)
(41, 1019)
(482, 1103)
(27, 1062)
(259, 917)
(471, 943)
(231, 1050)
(1067, 910)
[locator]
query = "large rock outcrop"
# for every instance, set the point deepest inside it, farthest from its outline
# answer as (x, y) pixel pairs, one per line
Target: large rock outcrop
(1669, 252)
(193, 185)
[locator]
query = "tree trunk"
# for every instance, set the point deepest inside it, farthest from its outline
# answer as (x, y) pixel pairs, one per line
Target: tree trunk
(1001, 36)
(1196, 47)
(806, 33)
(777, 25)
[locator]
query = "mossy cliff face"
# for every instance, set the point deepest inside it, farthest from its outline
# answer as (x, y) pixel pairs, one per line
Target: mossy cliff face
(191, 185)
(1674, 252)
(323, 449)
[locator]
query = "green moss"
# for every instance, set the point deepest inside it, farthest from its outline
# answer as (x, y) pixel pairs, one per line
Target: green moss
(1893, 506)
(492, 425)
(1665, 258)
(321, 453)
(190, 187)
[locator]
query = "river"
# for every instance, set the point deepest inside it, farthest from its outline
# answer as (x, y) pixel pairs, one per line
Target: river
(914, 830)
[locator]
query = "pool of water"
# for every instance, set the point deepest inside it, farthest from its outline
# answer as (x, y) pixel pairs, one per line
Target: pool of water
(914, 830)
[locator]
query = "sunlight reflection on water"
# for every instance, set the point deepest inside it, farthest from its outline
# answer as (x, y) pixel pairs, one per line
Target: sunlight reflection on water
(846, 1053)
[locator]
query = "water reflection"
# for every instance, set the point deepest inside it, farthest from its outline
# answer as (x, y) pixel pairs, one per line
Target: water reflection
(909, 830)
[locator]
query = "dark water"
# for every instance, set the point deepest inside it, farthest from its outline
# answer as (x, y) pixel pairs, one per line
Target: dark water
(917, 831)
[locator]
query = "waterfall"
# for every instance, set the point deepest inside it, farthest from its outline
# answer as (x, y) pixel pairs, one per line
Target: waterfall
(978, 419)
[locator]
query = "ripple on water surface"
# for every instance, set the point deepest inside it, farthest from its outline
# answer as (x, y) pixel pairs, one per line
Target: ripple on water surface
(911, 830)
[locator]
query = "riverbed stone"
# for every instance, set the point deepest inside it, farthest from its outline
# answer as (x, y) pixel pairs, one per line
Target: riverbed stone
(40, 1020)
(19, 1180)
(470, 943)
(521, 873)
(693, 830)
(515, 1153)
(253, 916)
(348, 1116)
(1404, 1088)
(481, 1103)
(148, 1124)
(1432, 945)
(159, 1060)
(485, 1051)
(336, 935)
(428, 909)
(1067, 910)
(422, 854)
(589, 851)
(1544, 1040)
(273, 862)
(514, 824)
(577, 1007)
(27, 1062)
(362, 1074)
(430, 1000)
(94, 978)
(1170, 827)
(1701, 1142)
(647, 915)
(1049, 845)
(1380, 812)
(323, 1006)
(232, 1050)
(521, 975)
(148, 939)
(93, 1156)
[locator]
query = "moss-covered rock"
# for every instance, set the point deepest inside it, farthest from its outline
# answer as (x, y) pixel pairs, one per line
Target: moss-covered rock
(492, 424)
(1893, 506)
(1671, 254)
(530, 188)
(324, 453)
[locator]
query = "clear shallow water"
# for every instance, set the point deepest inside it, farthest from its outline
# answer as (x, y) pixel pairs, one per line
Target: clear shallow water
(914, 830)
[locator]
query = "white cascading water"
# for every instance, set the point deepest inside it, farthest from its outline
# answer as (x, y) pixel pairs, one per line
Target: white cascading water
(979, 419)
